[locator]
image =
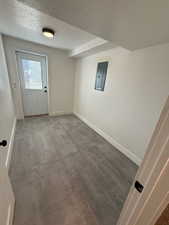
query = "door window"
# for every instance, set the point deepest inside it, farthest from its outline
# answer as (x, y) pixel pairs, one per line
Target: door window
(32, 74)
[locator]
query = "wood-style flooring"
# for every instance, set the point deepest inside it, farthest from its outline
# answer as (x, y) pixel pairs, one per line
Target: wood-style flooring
(64, 173)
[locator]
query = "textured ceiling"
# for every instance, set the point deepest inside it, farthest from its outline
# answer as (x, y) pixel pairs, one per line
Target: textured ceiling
(132, 24)
(22, 21)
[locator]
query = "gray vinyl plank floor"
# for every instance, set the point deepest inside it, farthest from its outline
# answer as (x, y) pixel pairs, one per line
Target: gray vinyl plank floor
(64, 173)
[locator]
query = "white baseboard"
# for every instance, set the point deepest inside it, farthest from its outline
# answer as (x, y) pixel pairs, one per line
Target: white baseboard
(59, 113)
(10, 146)
(11, 210)
(117, 145)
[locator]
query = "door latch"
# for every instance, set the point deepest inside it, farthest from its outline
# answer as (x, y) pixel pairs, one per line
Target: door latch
(3, 143)
(139, 187)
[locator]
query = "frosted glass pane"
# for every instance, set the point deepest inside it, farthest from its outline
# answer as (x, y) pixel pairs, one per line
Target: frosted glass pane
(32, 74)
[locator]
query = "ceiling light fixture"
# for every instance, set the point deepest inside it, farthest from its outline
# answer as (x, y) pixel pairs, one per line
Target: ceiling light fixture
(47, 32)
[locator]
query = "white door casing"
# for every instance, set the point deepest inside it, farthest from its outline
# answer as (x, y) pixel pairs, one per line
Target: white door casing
(34, 84)
(144, 208)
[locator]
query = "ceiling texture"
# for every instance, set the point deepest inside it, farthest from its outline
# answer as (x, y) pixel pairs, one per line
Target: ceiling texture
(22, 21)
(132, 24)
(90, 24)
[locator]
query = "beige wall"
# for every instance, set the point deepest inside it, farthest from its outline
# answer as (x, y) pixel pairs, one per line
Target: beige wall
(60, 75)
(136, 88)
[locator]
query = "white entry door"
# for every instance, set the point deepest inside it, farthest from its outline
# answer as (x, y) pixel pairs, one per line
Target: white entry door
(6, 194)
(33, 77)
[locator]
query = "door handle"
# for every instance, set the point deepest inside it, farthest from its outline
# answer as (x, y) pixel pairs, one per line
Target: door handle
(3, 143)
(45, 90)
(138, 186)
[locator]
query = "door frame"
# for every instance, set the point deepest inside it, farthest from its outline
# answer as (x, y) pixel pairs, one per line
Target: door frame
(19, 78)
(134, 205)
